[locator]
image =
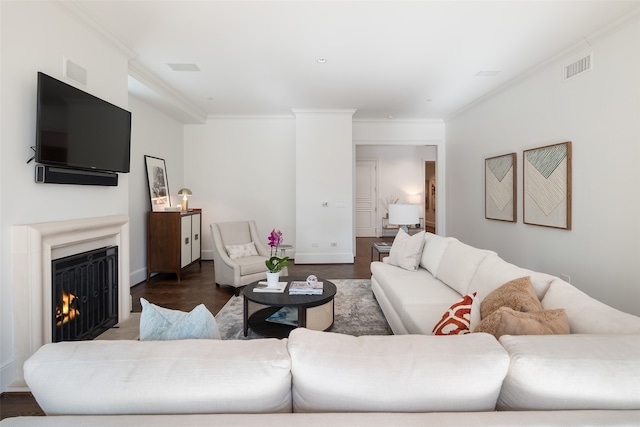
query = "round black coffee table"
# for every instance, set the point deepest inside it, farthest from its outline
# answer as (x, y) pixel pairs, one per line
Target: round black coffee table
(314, 311)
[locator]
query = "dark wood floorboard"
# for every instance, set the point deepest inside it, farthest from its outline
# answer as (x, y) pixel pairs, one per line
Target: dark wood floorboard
(198, 286)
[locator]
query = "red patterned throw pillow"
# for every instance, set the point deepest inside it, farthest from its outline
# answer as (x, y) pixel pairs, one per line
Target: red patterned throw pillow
(457, 319)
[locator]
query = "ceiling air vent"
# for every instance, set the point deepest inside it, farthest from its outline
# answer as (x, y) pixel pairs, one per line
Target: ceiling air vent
(577, 67)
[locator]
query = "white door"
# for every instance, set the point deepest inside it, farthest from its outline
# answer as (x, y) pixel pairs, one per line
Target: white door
(366, 198)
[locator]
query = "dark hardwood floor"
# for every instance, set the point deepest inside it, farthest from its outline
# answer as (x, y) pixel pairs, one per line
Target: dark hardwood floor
(198, 286)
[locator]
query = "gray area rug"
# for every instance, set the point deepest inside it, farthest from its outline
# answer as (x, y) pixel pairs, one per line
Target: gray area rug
(356, 313)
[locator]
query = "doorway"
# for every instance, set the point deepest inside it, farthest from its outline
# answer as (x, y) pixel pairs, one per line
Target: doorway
(366, 198)
(430, 205)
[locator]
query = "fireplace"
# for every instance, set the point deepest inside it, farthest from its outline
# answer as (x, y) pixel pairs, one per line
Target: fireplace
(85, 294)
(35, 248)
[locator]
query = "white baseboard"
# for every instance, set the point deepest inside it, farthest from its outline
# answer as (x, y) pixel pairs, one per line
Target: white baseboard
(324, 258)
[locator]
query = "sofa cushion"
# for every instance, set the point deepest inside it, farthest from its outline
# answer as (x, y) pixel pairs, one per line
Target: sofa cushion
(517, 294)
(434, 248)
(459, 263)
(588, 315)
(159, 323)
(571, 372)
(251, 265)
(406, 250)
(243, 250)
(399, 373)
(161, 377)
(506, 321)
(457, 318)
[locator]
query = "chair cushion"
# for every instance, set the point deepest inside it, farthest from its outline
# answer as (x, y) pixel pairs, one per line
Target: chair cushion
(252, 265)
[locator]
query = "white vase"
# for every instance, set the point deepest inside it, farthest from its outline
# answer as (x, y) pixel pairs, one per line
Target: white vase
(273, 279)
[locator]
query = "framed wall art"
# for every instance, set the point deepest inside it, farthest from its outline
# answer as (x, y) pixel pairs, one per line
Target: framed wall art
(500, 188)
(546, 185)
(159, 194)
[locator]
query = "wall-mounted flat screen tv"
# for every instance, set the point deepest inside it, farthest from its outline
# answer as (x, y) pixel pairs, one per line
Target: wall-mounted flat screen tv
(78, 130)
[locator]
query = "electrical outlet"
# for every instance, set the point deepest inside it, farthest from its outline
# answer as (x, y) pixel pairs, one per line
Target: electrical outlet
(334, 244)
(565, 277)
(314, 244)
(325, 204)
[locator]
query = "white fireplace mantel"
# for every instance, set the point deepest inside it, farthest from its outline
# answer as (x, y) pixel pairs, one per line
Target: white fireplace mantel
(34, 246)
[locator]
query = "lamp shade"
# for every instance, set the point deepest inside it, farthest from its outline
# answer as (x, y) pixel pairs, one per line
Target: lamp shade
(402, 214)
(185, 192)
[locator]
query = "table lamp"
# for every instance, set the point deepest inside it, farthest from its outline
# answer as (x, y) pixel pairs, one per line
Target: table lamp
(404, 214)
(185, 192)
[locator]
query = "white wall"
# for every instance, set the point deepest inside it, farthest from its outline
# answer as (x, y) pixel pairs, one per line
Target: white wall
(240, 169)
(35, 37)
(153, 134)
(599, 111)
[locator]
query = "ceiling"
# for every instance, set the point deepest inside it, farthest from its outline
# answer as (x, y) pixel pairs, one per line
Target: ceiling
(386, 59)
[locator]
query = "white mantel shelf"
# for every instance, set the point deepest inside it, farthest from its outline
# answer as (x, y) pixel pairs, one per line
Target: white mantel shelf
(34, 246)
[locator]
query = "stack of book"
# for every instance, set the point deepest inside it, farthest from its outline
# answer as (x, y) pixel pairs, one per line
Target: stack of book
(304, 288)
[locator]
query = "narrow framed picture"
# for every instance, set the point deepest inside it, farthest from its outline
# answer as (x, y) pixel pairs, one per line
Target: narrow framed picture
(159, 193)
(546, 182)
(500, 188)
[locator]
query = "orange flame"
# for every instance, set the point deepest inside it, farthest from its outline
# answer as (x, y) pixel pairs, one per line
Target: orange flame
(68, 312)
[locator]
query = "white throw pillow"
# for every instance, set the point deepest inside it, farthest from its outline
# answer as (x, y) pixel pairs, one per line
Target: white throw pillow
(158, 323)
(406, 250)
(241, 251)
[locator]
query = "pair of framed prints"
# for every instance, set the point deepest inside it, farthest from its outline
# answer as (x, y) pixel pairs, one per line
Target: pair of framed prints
(546, 186)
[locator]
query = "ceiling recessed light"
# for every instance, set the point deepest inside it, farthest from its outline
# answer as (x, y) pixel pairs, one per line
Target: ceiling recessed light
(487, 73)
(184, 67)
(390, 117)
(321, 60)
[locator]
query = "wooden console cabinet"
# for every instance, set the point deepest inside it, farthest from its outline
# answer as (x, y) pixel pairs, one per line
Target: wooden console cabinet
(173, 241)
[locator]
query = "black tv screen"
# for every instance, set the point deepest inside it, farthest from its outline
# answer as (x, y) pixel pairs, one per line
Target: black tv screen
(78, 130)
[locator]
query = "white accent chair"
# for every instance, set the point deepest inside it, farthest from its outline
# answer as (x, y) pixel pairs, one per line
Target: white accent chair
(238, 272)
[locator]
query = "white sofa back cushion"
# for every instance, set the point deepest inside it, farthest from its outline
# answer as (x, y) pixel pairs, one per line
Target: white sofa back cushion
(402, 373)
(434, 247)
(459, 264)
(588, 315)
(161, 377)
(571, 372)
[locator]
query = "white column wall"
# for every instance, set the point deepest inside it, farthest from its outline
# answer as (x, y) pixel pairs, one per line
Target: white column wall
(325, 159)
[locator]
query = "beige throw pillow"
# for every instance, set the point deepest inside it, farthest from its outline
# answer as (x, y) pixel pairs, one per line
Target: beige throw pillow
(406, 250)
(517, 294)
(506, 321)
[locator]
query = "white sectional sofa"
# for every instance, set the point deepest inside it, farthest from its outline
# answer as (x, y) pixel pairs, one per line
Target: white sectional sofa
(319, 378)
(589, 377)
